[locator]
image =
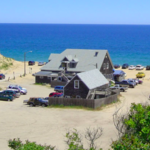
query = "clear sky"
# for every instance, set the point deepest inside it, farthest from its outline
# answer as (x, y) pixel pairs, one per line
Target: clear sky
(75, 11)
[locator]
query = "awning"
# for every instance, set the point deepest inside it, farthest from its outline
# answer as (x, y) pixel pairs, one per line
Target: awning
(119, 72)
(43, 73)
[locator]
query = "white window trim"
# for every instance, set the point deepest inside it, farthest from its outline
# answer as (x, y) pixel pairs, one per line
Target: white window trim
(74, 84)
(41, 77)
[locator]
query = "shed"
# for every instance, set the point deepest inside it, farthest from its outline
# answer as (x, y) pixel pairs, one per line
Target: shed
(82, 83)
(119, 75)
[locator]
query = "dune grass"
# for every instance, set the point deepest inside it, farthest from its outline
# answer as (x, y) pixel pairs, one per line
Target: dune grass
(5, 62)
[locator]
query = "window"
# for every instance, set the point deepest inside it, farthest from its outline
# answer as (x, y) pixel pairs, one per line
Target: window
(104, 66)
(107, 65)
(96, 53)
(41, 77)
(76, 84)
(72, 65)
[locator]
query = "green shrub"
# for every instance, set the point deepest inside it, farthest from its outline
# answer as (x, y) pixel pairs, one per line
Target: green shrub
(16, 144)
(5, 65)
(137, 129)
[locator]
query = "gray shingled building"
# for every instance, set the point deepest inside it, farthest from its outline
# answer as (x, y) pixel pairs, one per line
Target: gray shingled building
(84, 83)
(76, 61)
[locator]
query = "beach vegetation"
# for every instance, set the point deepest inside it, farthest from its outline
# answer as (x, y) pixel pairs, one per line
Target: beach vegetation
(5, 62)
(133, 128)
(17, 144)
(74, 141)
(6, 65)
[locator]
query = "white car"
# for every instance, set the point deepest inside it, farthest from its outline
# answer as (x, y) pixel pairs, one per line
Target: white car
(139, 67)
(40, 63)
(131, 67)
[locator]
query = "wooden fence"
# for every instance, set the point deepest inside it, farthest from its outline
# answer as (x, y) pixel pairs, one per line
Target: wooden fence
(91, 103)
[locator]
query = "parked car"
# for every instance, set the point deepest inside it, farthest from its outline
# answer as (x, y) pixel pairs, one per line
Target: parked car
(55, 94)
(46, 98)
(126, 83)
(148, 67)
(2, 76)
(121, 88)
(131, 67)
(116, 66)
(9, 92)
(30, 63)
(133, 81)
(36, 101)
(17, 92)
(139, 67)
(125, 66)
(40, 63)
(6, 97)
(139, 81)
(140, 75)
(22, 90)
(59, 88)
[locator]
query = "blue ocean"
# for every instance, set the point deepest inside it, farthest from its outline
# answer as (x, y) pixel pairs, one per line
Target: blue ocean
(125, 43)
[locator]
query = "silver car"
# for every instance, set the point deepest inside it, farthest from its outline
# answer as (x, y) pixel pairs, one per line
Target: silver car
(16, 91)
(22, 90)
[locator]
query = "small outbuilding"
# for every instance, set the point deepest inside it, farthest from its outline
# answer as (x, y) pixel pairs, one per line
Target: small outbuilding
(45, 77)
(81, 84)
(119, 75)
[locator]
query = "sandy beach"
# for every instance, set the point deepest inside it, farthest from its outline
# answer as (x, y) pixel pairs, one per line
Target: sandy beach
(49, 125)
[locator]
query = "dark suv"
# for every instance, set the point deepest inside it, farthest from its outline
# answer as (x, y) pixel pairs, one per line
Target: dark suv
(148, 67)
(6, 97)
(124, 66)
(30, 63)
(36, 101)
(8, 92)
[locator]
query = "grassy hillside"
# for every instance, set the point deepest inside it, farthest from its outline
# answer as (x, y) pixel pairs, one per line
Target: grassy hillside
(5, 62)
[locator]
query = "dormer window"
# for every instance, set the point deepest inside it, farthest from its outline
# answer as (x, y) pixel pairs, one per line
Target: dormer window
(96, 53)
(73, 64)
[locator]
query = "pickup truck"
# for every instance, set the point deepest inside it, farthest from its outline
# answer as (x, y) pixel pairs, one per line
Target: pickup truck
(126, 83)
(122, 88)
(36, 101)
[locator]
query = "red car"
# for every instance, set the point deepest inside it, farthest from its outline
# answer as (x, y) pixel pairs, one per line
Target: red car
(2, 76)
(55, 94)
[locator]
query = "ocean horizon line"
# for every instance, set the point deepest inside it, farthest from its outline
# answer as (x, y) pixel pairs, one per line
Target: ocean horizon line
(79, 24)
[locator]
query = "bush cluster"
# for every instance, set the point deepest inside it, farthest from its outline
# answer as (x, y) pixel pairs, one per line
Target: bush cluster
(16, 144)
(137, 132)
